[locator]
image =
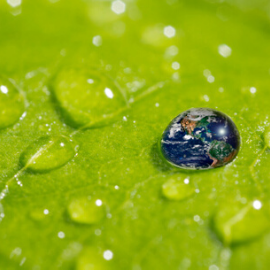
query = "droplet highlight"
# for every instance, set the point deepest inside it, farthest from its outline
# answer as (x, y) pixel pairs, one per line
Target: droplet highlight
(86, 210)
(177, 190)
(47, 153)
(11, 104)
(86, 97)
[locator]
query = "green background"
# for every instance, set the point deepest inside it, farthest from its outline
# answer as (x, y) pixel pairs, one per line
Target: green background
(143, 228)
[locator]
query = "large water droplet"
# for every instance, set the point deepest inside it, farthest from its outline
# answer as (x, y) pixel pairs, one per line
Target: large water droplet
(86, 97)
(94, 259)
(175, 189)
(237, 223)
(47, 153)
(11, 104)
(86, 210)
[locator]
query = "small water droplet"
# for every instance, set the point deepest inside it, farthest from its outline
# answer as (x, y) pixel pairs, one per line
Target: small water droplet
(169, 31)
(177, 189)
(14, 3)
(266, 136)
(118, 7)
(86, 210)
(213, 267)
(92, 258)
(97, 41)
(175, 65)
(224, 50)
(107, 255)
(61, 235)
(253, 90)
(11, 104)
(47, 153)
(237, 223)
(86, 96)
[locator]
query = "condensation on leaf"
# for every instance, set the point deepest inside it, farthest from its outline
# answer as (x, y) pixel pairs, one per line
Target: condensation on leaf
(38, 214)
(267, 137)
(47, 153)
(86, 210)
(86, 97)
(93, 259)
(176, 189)
(11, 104)
(236, 223)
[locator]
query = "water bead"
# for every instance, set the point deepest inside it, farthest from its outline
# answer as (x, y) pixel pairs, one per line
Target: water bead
(200, 138)
(11, 104)
(47, 153)
(92, 258)
(86, 211)
(236, 223)
(266, 136)
(86, 97)
(177, 190)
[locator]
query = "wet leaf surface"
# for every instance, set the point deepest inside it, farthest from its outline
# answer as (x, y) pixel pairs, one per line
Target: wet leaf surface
(163, 57)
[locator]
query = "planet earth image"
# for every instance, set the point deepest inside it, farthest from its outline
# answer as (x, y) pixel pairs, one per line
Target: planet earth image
(200, 138)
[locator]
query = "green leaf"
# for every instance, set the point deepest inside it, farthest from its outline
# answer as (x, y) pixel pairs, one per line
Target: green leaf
(158, 58)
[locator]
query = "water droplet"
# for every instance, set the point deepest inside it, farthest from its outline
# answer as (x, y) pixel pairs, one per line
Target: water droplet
(86, 97)
(253, 90)
(177, 189)
(237, 223)
(86, 211)
(224, 50)
(175, 65)
(39, 214)
(14, 3)
(107, 255)
(61, 235)
(91, 259)
(200, 138)
(169, 31)
(11, 104)
(266, 136)
(118, 7)
(47, 153)
(97, 41)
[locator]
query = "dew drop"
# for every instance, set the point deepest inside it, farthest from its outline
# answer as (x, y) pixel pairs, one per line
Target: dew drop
(47, 153)
(267, 136)
(224, 50)
(11, 104)
(90, 259)
(177, 189)
(118, 7)
(86, 97)
(107, 255)
(86, 211)
(39, 214)
(237, 223)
